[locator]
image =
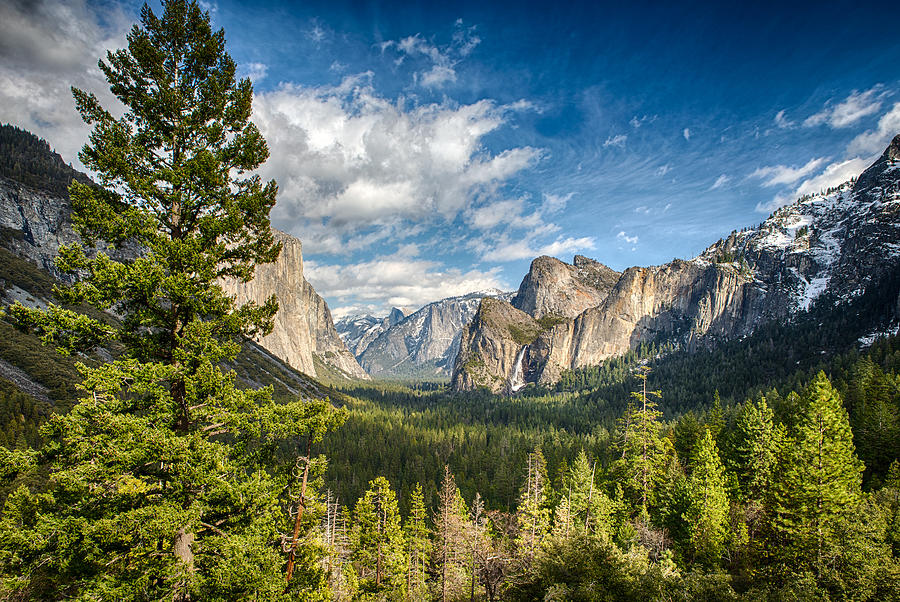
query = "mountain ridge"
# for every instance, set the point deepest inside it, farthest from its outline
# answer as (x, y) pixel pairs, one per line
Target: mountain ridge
(836, 242)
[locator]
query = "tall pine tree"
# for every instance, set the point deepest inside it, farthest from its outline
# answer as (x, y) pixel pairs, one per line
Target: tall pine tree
(819, 486)
(379, 547)
(707, 517)
(161, 483)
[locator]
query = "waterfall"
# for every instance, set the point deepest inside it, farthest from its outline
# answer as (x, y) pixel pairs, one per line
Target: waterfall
(517, 380)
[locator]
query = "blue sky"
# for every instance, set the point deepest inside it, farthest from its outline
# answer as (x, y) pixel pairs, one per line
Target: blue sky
(428, 150)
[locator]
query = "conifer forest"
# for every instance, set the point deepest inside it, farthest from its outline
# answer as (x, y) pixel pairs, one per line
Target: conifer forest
(155, 463)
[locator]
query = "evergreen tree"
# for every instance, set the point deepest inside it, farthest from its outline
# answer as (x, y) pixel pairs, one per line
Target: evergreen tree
(820, 484)
(757, 444)
(708, 514)
(643, 455)
(450, 547)
(589, 507)
(162, 480)
(715, 420)
(533, 513)
(379, 547)
(418, 545)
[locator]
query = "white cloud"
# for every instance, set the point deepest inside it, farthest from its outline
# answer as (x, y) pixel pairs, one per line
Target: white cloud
(852, 109)
(395, 280)
(632, 240)
(687, 134)
(779, 175)
(720, 181)
(509, 211)
(46, 47)
(255, 71)
(834, 174)
(637, 122)
(211, 7)
(617, 141)
(875, 141)
(783, 122)
(663, 169)
(347, 159)
(437, 76)
(316, 33)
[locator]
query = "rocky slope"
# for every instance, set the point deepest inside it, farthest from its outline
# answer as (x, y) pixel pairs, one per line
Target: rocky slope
(492, 348)
(34, 223)
(554, 288)
(425, 343)
(829, 246)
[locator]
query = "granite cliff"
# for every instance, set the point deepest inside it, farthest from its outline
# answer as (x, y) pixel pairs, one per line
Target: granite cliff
(303, 331)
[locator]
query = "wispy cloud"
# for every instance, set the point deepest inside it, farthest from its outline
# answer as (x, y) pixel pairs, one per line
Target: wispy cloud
(398, 280)
(443, 59)
(46, 47)
(834, 174)
(617, 141)
(631, 240)
(316, 33)
(554, 203)
(856, 106)
(783, 122)
(720, 181)
(782, 175)
(507, 249)
(255, 71)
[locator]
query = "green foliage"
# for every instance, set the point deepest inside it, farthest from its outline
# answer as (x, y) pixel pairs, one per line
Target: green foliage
(818, 486)
(418, 545)
(643, 452)
(708, 514)
(548, 321)
(522, 335)
(378, 542)
(533, 516)
(20, 414)
(758, 442)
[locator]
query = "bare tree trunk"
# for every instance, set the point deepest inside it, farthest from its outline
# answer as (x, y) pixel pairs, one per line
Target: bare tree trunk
(302, 505)
(182, 547)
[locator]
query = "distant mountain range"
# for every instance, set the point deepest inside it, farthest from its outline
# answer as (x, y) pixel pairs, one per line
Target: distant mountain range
(422, 344)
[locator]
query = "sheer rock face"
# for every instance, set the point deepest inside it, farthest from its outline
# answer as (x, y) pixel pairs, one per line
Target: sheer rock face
(38, 223)
(682, 300)
(491, 345)
(555, 288)
(303, 325)
(827, 247)
(43, 220)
